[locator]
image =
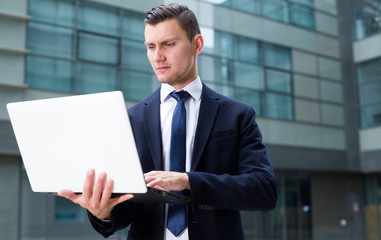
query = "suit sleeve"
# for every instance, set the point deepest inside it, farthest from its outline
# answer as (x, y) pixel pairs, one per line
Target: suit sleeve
(243, 179)
(121, 218)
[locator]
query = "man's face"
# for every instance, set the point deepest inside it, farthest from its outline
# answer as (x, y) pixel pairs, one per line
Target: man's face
(171, 54)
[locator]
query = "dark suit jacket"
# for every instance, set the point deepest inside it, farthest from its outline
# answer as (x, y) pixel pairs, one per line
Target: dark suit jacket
(230, 171)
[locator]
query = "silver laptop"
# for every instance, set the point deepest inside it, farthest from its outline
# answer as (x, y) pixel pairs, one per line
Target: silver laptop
(61, 138)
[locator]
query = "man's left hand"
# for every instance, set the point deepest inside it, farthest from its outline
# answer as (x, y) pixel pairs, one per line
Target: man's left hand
(167, 181)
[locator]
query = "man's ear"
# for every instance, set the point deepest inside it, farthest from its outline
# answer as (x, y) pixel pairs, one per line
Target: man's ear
(198, 44)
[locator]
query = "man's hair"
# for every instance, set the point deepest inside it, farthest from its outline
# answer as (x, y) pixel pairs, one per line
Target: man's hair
(185, 17)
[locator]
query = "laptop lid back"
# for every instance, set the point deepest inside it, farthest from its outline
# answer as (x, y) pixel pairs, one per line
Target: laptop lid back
(61, 138)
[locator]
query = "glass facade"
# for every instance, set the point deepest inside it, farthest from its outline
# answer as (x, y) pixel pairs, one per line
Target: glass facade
(291, 219)
(82, 47)
(372, 184)
(369, 87)
(257, 73)
(367, 18)
(87, 48)
(66, 211)
(78, 47)
(297, 12)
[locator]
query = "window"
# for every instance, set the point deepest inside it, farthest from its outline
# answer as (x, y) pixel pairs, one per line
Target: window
(309, 3)
(258, 73)
(83, 47)
(133, 26)
(50, 40)
(225, 90)
(369, 85)
(279, 106)
(292, 217)
(277, 56)
(135, 55)
(370, 116)
(96, 48)
(297, 12)
(298, 205)
(302, 16)
(214, 69)
(49, 73)
(246, 49)
(369, 71)
(137, 85)
(217, 43)
(372, 184)
(370, 93)
(278, 81)
(99, 19)
(53, 12)
(366, 18)
(275, 9)
(221, 2)
(248, 75)
(92, 78)
(251, 6)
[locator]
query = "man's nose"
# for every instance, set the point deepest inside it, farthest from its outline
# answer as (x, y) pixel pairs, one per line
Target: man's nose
(159, 55)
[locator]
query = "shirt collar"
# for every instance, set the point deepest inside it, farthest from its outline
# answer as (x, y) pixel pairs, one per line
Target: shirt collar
(194, 89)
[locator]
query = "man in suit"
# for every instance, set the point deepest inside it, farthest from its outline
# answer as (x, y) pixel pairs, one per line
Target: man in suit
(226, 165)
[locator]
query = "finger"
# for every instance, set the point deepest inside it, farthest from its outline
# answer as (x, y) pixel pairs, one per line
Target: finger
(151, 176)
(156, 183)
(88, 184)
(69, 195)
(159, 187)
(99, 186)
(115, 201)
(106, 195)
(149, 179)
(124, 198)
(152, 173)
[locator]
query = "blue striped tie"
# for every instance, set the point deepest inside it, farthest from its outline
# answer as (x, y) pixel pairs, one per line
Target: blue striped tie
(177, 213)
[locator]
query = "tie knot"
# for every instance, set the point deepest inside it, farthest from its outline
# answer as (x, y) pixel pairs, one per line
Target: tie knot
(180, 96)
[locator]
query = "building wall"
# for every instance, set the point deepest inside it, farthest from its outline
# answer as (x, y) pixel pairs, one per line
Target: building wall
(315, 57)
(10, 197)
(362, 51)
(338, 212)
(39, 220)
(13, 18)
(369, 137)
(12, 51)
(316, 140)
(316, 70)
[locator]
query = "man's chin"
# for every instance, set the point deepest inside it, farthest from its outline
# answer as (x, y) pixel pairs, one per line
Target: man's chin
(164, 80)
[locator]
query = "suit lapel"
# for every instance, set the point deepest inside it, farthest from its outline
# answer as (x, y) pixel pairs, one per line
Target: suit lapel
(206, 119)
(151, 123)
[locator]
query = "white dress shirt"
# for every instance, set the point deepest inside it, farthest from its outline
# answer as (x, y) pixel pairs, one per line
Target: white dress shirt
(192, 106)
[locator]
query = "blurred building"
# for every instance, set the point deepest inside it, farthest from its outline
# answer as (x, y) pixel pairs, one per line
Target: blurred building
(310, 68)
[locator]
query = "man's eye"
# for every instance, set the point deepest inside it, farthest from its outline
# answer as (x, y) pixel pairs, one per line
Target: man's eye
(170, 44)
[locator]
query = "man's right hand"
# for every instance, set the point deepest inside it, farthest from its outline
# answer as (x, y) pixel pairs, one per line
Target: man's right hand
(96, 198)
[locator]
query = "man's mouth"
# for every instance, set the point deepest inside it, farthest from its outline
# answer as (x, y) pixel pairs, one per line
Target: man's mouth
(162, 68)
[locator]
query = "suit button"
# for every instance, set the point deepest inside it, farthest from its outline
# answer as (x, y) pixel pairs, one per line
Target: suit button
(159, 228)
(205, 207)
